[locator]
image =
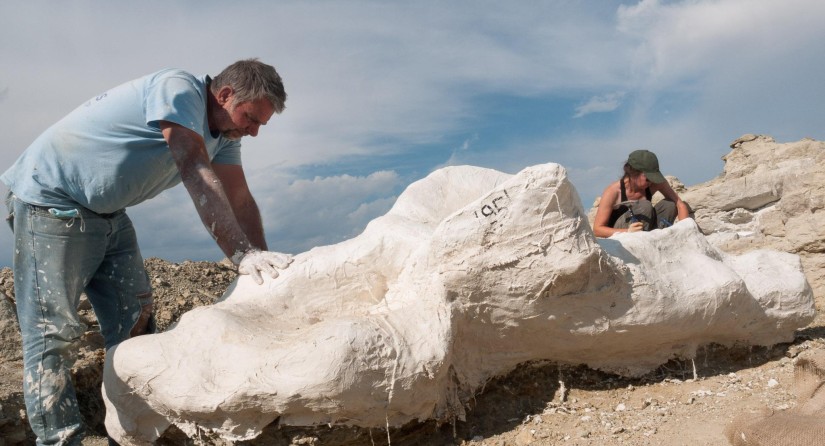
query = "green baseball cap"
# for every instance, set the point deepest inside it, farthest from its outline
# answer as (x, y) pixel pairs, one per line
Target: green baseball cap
(646, 162)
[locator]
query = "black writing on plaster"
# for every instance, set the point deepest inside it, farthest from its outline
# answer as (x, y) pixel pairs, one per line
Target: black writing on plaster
(493, 207)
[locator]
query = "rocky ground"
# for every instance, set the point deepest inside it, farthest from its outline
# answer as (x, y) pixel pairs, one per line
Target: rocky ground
(682, 403)
(177, 287)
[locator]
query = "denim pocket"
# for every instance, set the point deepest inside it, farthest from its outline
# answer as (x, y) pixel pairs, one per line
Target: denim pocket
(68, 216)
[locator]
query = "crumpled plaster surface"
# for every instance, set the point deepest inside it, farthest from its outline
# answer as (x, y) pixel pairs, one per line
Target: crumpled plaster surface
(471, 273)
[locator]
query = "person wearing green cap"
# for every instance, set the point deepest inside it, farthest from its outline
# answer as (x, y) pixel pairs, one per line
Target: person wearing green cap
(626, 204)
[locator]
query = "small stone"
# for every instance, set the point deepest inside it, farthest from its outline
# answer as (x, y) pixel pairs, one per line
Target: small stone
(524, 437)
(621, 407)
(772, 383)
(646, 403)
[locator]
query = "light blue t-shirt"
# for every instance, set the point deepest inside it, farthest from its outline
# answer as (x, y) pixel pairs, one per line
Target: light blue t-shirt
(109, 153)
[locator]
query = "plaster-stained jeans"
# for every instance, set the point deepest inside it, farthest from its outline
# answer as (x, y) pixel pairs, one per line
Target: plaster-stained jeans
(58, 255)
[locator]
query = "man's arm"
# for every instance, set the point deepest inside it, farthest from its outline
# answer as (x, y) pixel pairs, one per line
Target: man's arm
(206, 190)
(243, 204)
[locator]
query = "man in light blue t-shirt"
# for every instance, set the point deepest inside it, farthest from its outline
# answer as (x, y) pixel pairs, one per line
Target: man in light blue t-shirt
(68, 192)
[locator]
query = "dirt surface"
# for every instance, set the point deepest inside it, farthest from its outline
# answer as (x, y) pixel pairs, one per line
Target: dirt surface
(683, 402)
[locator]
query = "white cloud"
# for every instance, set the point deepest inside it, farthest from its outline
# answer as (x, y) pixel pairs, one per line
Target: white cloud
(301, 213)
(682, 40)
(370, 79)
(600, 104)
(297, 214)
(459, 154)
(362, 77)
(706, 72)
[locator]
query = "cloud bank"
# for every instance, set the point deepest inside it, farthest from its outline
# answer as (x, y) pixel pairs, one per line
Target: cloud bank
(382, 93)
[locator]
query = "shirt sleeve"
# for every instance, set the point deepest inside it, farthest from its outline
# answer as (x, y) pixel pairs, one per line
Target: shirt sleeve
(230, 153)
(175, 97)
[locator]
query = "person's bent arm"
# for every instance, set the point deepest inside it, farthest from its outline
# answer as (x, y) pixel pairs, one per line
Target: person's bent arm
(682, 211)
(214, 208)
(206, 190)
(602, 218)
(243, 204)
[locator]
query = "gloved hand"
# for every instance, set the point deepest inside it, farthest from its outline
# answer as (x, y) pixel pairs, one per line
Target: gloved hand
(254, 262)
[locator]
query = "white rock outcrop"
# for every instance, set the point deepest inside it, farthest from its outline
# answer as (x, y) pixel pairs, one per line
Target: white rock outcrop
(770, 195)
(471, 273)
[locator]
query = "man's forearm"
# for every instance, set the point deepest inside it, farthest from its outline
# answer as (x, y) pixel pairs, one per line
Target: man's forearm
(249, 218)
(206, 191)
(215, 212)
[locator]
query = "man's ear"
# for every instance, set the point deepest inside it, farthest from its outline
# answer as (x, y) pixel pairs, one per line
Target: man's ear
(224, 95)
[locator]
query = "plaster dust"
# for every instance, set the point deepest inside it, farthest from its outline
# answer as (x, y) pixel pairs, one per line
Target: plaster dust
(470, 274)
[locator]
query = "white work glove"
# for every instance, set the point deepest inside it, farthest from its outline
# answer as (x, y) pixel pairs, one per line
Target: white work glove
(254, 262)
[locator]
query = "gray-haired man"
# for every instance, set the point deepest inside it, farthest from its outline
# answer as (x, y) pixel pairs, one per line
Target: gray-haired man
(68, 192)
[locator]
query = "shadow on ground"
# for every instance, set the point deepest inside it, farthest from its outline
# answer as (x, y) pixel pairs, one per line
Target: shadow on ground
(509, 401)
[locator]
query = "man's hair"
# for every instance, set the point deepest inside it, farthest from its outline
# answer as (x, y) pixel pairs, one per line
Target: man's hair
(251, 80)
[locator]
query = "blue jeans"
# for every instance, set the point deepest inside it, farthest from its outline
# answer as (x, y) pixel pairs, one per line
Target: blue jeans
(58, 254)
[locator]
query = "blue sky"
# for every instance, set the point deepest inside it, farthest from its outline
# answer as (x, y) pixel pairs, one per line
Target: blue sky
(382, 93)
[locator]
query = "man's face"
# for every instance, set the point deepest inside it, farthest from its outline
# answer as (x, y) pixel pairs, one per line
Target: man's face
(237, 120)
